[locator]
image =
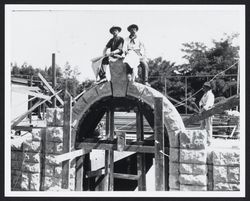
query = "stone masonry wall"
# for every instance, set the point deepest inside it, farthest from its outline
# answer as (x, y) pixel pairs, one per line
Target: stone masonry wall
(26, 163)
(224, 170)
(52, 179)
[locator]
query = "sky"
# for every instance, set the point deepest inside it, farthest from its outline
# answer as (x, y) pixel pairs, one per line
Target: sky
(76, 34)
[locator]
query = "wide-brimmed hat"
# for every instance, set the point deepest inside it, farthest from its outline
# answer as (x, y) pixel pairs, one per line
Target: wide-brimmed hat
(115, 27)
(133, 26)
(207, 84)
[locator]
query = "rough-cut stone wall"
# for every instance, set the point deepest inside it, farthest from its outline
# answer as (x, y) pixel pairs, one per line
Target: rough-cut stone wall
(187, 162)
(26, 163)
(52, 179)
(224, 170)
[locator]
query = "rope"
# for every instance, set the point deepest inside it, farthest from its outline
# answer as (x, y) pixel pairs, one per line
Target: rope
(209, 81)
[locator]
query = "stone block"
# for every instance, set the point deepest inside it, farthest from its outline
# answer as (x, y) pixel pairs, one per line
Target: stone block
(72, 184)
(174, 168)
(37, 134)
(195, 169)
(90, 96)
(34, 146)
(193, 139)
(173, 121)
(58, 148)
(174, 155)
(233, 174)
(50, 148)
(104, 89)
(31, 167)
(173, 189)
(199, 180)
(78, 108)
(234, 187)
(35, 182)
(32, 157)
(16, 165)
(16, 172)
(174, 182)
(174, 140)
(118, 78)
(54, 116)
(192, 188)
(226, 157)
(58, 171)
(193, 156)
(221, 187)
(16, 155)
(52, 183)
(220, 174)
(135, 89)
(16, 181)
(25, 182)
(49, 170)
(54, 134)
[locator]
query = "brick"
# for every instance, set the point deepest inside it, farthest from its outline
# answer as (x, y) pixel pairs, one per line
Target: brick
(17, 155)
(194, 169)
(233, 174)
(33, 146)
(192, 188)
(31, 167)
(193, 139)
(58, 171)
(58, 148)
(220, 174)
(174, 181)
(199, 180)
(174, 155)
(193, 156)
(25, 182)
(226, 157)
(50, 148)
(35, 182)
(174, 168)
(32, 157)
(54, 134)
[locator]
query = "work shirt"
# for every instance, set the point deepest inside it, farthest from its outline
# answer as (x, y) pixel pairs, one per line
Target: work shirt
(115, 43)
(207, 100)
(134, 44)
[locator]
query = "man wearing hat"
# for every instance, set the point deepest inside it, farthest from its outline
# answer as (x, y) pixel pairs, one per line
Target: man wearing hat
(115, 45)
(206, 103)
(133, 43)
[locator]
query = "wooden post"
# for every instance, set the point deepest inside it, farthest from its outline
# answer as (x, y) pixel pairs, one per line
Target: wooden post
(107, 156)
(165, 85)
(159, 144)
(30, 102)
(185, 94)
(141, 169)
(238, 82)
(111, 165)
(79, 173)
(66, 138)
(53, 78)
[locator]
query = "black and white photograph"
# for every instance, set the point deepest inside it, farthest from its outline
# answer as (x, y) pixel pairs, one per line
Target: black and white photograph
(124, 100)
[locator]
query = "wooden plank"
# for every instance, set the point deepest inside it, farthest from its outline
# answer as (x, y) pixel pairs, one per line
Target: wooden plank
(66, 138)
(140, 156)
(30, 93)
(20, 118)
(107, 156)
(79, 173)
(53, 78)
(159, 145)
(217, 108)
(50, 88)
(95, 173)
(111, 152)
(126, 176)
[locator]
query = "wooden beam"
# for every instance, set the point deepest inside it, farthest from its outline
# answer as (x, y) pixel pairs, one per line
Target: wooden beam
(66, 138)
(50, 88)
(218, 108)
(159, 145)
(95, 173)
(79, 173)
(53, 78)
(111, 152)
(35, 94)
(20, 118)
(126, 176)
